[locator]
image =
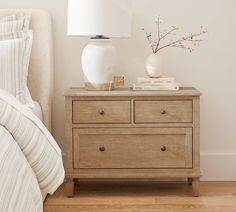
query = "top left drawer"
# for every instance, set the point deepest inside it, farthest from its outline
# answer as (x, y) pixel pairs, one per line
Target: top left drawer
(101, 112)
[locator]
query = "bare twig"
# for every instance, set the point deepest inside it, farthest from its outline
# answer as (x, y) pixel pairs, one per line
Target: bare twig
(188, 38)
(149, 37)
(155, 45)
(159, 34)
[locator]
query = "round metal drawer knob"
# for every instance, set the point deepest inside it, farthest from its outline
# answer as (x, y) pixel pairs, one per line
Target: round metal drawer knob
(102, 148)
(101, 112)
(163, 112)
(163, 148)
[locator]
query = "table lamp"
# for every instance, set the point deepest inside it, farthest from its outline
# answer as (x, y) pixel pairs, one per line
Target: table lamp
(100, 20)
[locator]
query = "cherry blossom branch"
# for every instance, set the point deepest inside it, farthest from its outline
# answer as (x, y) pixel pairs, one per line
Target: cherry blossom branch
(168, 33)
(162, 37)
(149, 38)
(158, 32)
(179, 43)
(181, 46)
(188, 38)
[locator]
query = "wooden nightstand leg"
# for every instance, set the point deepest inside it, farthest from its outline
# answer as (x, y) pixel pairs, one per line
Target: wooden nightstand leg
(196, 184)
(190, 181)
(69, 187)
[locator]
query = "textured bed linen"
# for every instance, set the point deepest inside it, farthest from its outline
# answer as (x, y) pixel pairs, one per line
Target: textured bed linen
(37, 110)
(30, 159)
(15, 51)
(14, 23)
(19, 186)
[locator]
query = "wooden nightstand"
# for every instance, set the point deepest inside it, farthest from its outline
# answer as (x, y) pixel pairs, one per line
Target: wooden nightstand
(124, 134)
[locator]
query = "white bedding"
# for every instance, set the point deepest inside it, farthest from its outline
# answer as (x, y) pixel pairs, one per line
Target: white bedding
(30, 159)
(37, 110)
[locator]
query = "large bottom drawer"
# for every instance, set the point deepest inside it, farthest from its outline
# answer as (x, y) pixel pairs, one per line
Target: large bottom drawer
(127, 148)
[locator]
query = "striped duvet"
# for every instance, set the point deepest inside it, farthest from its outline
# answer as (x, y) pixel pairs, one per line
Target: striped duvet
(30, 159)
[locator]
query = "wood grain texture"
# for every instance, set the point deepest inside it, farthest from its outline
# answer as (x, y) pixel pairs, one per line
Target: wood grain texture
(163, 111)
(196, 134)
(99, 87)
(101, 112)
(68, 135)
(133, 148)
(195, 184)
(133, 173)
(145, 197)
(184, 91)
(69, 187)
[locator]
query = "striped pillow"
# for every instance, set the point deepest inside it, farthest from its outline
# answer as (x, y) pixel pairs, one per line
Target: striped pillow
(15, 49)
(14, 23)
(8, 17)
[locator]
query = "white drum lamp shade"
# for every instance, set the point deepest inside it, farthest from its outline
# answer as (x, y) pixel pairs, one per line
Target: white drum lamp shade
(100, 20)
(111, 18)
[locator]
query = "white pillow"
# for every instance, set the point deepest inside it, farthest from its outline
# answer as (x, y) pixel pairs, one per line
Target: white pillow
(15, 50)
(12, 16)
(14, 23)
(8, 17)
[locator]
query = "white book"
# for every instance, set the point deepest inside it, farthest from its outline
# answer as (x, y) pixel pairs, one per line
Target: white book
(155, 84)
(156, 80)
(171, 87)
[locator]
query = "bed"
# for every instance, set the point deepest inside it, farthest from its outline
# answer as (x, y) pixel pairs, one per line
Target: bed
(40, 80)
(30, 159)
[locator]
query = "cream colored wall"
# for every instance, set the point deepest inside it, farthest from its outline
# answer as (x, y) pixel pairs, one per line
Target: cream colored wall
(212, 68)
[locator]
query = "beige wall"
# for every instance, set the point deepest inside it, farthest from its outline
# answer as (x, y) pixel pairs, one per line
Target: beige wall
(212, 68)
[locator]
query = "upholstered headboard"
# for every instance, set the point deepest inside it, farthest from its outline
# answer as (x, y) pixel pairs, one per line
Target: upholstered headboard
(40, 80)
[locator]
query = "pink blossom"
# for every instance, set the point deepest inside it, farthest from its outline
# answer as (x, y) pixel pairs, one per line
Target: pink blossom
(159, 42)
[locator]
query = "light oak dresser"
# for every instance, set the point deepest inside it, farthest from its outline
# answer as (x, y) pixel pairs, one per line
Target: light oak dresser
(125, 134)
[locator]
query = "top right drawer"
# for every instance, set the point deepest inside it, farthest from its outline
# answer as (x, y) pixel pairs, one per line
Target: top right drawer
(163, 111)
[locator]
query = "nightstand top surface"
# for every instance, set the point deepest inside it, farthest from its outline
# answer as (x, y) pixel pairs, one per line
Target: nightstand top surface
(184, 91)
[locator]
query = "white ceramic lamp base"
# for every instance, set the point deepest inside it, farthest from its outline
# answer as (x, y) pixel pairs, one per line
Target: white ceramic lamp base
(98, 63)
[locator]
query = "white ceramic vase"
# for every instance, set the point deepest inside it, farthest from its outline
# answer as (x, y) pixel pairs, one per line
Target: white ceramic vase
(154, 65)
(99, 61)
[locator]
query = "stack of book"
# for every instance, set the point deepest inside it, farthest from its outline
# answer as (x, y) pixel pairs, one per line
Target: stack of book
(155, 84)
